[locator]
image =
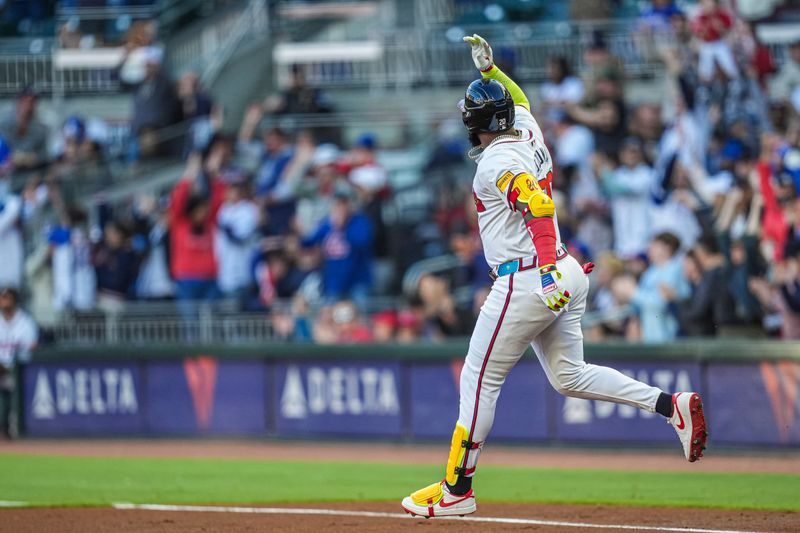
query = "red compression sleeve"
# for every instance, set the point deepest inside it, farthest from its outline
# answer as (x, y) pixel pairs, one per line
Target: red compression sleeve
(543, 234)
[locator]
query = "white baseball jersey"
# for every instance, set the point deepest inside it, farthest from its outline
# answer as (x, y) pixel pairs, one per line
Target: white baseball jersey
(502, 229)
(18, 336)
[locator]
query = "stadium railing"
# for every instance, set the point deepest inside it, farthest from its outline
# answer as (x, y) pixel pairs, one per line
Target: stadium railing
(144, 322)
(406, 56)
(167, 328)
(221, 323)
(24, 62)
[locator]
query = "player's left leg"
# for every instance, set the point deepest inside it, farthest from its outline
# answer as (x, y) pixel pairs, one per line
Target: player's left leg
(510, 317)
(559, 348)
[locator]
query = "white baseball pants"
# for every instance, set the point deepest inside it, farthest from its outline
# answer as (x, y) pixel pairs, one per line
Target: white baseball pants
(515, 316)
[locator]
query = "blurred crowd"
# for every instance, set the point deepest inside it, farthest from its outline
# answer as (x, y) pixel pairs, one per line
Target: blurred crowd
(689, 207)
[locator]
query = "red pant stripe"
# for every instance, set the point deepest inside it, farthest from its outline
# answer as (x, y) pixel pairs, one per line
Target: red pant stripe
(486, 360)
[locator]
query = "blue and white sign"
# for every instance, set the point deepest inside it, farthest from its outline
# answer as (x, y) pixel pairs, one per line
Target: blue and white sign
(347, 398)
(83, 398)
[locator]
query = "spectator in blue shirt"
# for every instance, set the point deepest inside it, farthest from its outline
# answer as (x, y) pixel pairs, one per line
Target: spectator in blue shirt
(277, 154)
(660, 285)
(346, 239)
(657, 17)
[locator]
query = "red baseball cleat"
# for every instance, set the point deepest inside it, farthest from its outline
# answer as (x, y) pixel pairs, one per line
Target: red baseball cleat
(690, 423)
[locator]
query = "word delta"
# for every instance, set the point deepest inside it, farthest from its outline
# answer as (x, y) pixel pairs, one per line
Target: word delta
(578, 411)
(84, 392)
(339, 391)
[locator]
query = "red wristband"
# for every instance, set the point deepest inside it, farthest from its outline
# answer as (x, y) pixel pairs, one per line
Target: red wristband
(542, 231)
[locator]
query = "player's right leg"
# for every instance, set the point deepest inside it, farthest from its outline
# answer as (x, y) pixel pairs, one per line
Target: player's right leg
(559, 348)
(501, 335)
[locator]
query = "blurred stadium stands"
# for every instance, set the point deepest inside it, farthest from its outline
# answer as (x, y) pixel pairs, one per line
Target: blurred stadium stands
(283, 114)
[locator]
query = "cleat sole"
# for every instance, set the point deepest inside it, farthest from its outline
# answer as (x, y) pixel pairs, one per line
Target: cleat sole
(699, 431)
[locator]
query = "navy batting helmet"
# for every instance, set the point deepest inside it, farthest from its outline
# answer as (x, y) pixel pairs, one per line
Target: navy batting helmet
(487, 107)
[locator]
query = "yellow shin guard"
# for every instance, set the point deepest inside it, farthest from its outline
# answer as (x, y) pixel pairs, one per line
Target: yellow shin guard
(458, 448)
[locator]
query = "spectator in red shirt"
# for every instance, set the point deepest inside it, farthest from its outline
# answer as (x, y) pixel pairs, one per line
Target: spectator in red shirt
(711, 26)
(195, 202)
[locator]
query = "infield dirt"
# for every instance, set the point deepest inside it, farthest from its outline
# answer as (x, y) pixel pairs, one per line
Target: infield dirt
(111, 520)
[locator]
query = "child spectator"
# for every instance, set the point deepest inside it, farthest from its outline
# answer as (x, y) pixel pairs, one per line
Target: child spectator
(661, 284)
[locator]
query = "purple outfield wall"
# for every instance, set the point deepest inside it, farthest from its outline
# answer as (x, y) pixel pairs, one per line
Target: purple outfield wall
(746, 403)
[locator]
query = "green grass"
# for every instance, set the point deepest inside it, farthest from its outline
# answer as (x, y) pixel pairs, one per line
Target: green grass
(73, 481)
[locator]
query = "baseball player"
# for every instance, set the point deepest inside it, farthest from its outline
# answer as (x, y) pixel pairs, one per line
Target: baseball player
(538, 296)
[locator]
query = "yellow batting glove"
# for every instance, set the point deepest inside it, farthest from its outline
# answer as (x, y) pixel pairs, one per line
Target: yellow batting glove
(481, 52)
(554, 298)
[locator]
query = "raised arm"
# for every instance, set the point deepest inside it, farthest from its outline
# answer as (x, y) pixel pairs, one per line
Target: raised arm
(482, 57)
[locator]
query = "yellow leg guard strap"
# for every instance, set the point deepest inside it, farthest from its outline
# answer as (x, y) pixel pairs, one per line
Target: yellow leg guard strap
(458, 447)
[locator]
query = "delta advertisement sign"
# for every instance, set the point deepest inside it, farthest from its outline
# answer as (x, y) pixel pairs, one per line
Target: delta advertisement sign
(83, 399)
(751, 404)
(348, 398)
(193, 396)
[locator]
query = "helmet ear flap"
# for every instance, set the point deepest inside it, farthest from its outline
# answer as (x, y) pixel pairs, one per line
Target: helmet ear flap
(487, 107)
